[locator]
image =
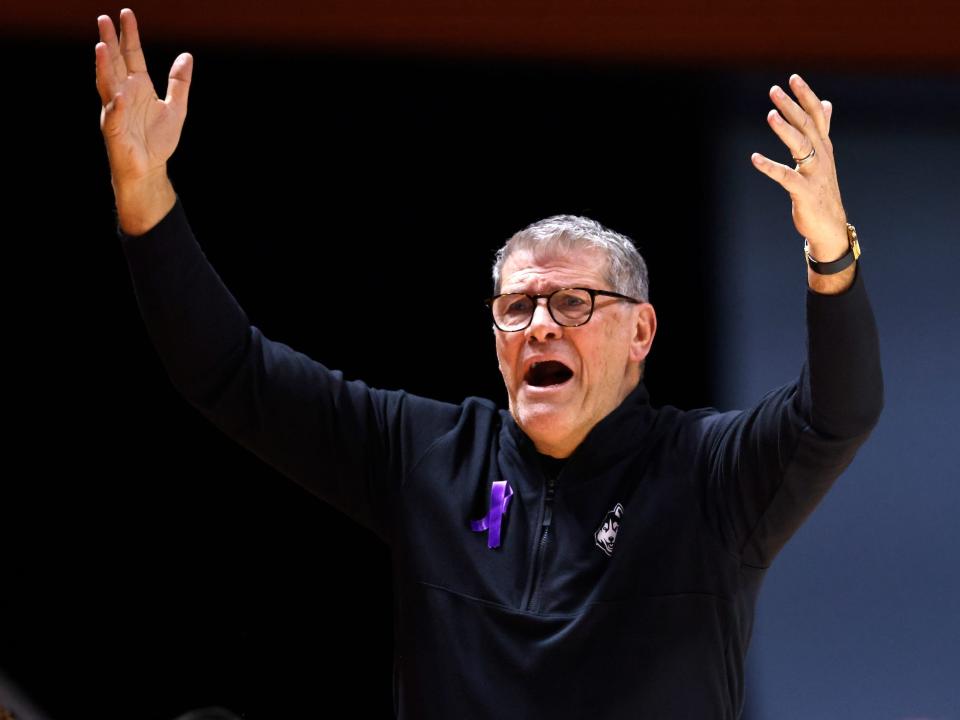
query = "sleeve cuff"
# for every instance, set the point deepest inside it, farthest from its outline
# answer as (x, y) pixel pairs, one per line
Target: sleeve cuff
(171, 238)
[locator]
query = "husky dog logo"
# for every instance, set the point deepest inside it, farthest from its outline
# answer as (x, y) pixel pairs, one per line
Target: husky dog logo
(606, 535)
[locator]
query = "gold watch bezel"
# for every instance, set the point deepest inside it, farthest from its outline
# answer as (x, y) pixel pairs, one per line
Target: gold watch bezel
(854, 241)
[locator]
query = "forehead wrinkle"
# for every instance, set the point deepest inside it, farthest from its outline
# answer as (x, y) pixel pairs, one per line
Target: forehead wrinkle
(534, 281)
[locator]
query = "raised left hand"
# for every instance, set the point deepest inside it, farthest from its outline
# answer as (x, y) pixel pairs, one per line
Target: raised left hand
(804, 128)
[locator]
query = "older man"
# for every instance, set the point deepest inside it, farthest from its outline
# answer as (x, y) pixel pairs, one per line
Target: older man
(583, 554)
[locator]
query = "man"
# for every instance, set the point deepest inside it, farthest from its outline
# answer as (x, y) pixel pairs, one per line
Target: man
(582, 554)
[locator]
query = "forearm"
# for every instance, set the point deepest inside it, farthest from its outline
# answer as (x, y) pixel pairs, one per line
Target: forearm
(193, 320)
(846, 382)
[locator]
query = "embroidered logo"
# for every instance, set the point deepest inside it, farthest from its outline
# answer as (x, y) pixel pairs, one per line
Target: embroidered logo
(606, 534)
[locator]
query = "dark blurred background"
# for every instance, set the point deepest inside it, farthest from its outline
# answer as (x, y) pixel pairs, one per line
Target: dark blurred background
(149, 565)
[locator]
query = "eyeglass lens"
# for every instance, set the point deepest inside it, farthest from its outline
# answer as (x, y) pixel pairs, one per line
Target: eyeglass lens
(568, 307)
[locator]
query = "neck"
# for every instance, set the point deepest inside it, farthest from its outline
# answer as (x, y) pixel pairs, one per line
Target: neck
(560, 451)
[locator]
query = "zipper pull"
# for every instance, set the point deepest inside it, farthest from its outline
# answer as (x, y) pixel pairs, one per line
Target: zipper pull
(548, 510)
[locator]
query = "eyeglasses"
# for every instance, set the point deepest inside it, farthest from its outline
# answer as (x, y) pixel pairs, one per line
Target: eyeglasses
(569, 307)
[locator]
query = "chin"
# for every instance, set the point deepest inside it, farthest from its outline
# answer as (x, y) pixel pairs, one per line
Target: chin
(542, 420)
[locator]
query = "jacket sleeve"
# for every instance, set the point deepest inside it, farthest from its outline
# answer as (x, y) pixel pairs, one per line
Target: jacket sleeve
(763, 470)
(348, 443)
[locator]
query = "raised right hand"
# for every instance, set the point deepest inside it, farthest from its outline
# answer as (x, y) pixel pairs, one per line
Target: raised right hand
(141, 131)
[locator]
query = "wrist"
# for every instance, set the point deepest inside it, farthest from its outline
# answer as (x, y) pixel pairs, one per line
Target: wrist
(829, 261)
(832, 284)
(833, 273)
(831, 248)
(143, 202)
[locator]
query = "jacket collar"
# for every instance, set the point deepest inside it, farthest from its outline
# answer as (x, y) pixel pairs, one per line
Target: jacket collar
(619, 434)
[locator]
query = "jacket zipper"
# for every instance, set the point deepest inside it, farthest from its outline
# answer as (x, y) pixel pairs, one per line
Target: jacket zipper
(534, 603)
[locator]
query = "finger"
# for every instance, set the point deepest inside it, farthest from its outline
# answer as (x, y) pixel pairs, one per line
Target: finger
(827, 112)
(178, 83)
(788, 178)
(797, 143)
(105, 82)
(809, 102)
(108, 35)
(795, 115)
(130, 42)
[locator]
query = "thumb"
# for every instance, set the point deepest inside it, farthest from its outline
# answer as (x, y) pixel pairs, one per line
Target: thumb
(828, 112)
(178, 83)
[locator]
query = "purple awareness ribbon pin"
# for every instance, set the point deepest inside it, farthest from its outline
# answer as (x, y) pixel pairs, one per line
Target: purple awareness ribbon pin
(500, 495)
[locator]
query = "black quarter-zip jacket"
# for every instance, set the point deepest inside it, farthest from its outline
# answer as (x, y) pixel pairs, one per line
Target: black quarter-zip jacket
(624, 581)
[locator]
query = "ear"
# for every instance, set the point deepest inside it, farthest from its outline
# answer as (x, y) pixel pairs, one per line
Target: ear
(644, 331)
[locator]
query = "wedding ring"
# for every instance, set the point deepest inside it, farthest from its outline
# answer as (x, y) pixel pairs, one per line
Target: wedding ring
(807, 158)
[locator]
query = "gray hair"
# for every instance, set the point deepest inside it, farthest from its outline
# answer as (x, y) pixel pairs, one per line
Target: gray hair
(626, 271)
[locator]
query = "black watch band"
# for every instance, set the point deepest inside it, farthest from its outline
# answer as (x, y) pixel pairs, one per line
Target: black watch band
(835, 266)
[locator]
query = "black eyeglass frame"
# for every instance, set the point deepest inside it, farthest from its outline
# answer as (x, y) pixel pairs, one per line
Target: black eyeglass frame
(536, 299)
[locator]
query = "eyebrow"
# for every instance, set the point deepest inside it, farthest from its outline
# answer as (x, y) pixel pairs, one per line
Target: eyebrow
(545, 290)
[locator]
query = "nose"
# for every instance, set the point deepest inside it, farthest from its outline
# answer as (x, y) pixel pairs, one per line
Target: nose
(542, 325)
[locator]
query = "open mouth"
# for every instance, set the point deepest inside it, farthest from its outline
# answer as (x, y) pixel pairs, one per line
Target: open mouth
(547, 373)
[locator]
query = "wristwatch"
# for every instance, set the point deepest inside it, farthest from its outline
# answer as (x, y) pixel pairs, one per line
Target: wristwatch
(829, 268)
